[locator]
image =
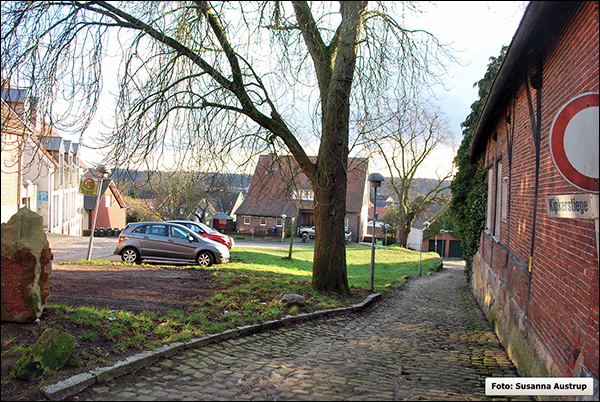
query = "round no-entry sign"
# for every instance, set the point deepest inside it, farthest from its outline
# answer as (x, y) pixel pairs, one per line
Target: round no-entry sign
(574, 141)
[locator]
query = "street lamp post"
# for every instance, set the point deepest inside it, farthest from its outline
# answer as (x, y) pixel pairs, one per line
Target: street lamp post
(103, 174)
(425, 226)
(386, 229)
(443, 231)
(375, 179)
(283, 226)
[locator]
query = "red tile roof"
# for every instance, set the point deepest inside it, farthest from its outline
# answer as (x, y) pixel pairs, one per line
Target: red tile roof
(276, 178)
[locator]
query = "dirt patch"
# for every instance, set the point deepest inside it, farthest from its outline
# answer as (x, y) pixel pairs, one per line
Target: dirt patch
(131, 288)
(137, 288)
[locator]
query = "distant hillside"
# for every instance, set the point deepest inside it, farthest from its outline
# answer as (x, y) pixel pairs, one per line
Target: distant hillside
(418, 186)
(137, 179)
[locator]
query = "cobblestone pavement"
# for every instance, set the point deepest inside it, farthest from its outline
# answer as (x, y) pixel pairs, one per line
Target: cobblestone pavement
(428, 342)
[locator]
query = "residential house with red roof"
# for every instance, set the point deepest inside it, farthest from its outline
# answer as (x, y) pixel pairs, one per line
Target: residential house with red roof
(280, 190)
(112, 209)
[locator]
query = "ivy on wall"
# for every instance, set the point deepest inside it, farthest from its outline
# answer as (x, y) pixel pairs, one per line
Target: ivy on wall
(469, 186)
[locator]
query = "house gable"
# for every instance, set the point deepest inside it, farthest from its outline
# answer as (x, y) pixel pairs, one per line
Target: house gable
(279, 186)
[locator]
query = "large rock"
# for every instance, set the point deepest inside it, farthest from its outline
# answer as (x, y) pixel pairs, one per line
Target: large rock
(26, 266)
(291, 299)
(48, 355)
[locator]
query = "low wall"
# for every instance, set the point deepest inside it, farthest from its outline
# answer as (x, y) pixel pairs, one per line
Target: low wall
(508, 320)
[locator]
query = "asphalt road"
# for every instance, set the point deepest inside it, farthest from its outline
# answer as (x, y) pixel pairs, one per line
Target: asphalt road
(74, 248)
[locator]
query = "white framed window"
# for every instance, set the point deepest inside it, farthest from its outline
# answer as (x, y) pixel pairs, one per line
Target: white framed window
(61, 169)
(263, 221)
(504, 198)
(308, 195)
(246, 220)
(488, 218)
(107, 200)
(498, 206)
(278, 222)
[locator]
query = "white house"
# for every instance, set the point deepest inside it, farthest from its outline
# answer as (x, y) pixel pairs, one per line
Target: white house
(41, 169)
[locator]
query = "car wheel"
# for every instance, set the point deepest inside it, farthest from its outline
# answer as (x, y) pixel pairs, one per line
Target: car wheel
(204, 259)
(130, 255)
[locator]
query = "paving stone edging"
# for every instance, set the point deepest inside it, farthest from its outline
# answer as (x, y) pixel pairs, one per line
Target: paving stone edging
(78, 383)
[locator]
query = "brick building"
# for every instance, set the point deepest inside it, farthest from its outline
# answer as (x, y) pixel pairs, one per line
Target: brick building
(112, 209)
(536, 272)
(279, 188)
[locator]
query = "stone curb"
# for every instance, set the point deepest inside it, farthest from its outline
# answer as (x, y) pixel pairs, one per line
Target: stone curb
(78, 383)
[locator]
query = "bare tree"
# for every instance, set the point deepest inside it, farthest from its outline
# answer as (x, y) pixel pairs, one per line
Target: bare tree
(228, 78)
(404, 140)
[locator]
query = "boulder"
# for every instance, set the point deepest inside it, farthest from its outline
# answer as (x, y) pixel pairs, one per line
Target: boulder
(48, 355)
(291, 298)
(26, 266)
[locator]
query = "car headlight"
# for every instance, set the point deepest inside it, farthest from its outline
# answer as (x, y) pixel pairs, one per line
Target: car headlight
(223, 250)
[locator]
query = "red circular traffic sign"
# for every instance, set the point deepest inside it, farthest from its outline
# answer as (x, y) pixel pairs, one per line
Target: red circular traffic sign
(89, 184)
(574, 141)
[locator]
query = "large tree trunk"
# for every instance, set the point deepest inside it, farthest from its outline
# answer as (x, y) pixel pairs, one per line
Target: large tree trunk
(401, 235)
(329, 263)
(330, 180)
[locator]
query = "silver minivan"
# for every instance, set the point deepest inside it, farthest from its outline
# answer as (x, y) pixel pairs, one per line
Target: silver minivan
(169, 242)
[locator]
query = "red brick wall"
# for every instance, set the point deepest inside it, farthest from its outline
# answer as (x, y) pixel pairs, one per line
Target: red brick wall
(241, 227)
(111, 217)
(562, 306)
(255, 225)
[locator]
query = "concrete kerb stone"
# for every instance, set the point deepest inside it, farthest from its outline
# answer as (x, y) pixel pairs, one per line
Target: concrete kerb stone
(68, 387)
(78, 383)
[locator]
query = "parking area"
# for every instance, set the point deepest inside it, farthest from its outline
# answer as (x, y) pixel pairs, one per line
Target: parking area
(74, 248)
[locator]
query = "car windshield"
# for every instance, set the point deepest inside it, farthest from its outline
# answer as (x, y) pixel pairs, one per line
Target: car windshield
(206, 228)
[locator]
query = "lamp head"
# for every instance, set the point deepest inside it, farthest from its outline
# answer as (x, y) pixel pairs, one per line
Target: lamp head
(375, 179)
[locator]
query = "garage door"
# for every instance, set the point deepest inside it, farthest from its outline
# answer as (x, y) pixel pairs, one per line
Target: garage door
(456, 249)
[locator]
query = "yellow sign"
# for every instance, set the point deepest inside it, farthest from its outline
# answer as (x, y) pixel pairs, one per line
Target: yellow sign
(88, 186)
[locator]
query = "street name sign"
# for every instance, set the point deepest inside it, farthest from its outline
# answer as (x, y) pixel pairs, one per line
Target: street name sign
(580, 206)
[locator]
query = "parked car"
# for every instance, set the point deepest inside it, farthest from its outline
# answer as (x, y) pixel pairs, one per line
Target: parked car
(170, 242)
(207, 232)
(309, 231)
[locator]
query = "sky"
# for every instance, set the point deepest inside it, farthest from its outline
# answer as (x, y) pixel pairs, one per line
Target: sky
(477, 30)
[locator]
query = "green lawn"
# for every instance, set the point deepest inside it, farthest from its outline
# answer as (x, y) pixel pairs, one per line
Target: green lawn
(391, 263)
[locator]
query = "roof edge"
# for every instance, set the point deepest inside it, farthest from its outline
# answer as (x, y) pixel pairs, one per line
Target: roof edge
(536, 16)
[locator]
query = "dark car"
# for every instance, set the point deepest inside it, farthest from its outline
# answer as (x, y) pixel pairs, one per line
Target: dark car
(168, 241)
(207, 232)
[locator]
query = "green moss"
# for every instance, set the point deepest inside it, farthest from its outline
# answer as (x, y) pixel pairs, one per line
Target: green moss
(48, 355)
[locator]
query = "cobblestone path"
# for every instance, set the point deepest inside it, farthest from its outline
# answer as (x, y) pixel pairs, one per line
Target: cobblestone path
(428, 342)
